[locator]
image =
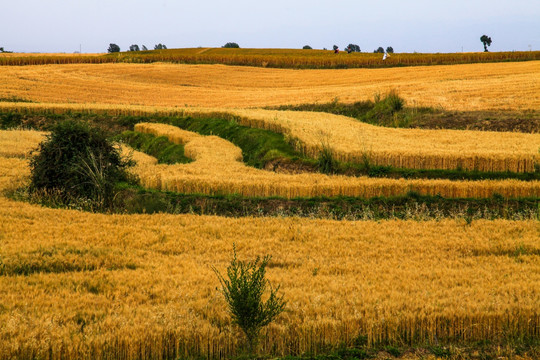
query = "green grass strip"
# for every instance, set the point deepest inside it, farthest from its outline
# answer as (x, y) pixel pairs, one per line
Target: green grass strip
(409, 206)
(260, 147)
(159, 147)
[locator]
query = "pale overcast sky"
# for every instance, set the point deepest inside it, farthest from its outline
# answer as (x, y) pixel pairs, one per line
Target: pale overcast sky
(407, 26)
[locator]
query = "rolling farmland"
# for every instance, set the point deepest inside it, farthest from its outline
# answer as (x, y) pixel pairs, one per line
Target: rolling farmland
(75, 284)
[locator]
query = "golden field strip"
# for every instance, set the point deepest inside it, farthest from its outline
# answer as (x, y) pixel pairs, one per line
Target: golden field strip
(495, 86)
(353, 141)
(279, 58)
(19, 143)
(218, 169)
(93, 286)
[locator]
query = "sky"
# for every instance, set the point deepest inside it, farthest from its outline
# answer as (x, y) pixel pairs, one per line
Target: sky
(407, 26)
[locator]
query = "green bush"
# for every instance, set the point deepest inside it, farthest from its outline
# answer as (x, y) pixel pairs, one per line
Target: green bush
(326, 162)
(384, 109)
(243, 291)
(231, 45)
(78, 162)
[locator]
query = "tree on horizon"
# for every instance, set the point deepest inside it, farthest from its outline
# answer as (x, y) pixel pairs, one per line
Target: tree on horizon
(113, 48)
(486, 40)
(231, 45)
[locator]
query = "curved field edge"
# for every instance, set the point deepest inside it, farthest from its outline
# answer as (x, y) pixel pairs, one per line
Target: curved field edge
(342, 281)
(14, 170)
(260, 148)
(352, 141)
(217, 169)
(132, 199)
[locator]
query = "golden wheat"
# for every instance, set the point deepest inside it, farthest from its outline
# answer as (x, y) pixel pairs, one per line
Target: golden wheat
(458, 87)
(280, 58)
(354, 141)
(218, 169)
(142, 287)
(19, 143)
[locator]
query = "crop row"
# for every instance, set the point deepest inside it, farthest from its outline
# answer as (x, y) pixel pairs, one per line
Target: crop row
(218, 169)
(352, 141)
(279, 58)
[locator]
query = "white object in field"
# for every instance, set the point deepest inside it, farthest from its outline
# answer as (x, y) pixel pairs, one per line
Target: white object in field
(384, 56)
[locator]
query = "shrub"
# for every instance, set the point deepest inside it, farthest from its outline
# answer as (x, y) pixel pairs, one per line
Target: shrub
(384, 109)
(326, 162)
(77, 161)
(243, 291)
(231, 45)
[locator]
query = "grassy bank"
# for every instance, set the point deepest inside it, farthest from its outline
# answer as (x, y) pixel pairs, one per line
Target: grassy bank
(137, 200)
(159, 147)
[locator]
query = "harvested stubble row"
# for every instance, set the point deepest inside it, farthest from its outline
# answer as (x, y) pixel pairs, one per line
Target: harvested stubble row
(501, 86)
(217, 169)
(354, 141)
(141, 286)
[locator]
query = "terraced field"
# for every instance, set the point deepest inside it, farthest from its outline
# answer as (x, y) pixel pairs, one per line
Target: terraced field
(84, 285)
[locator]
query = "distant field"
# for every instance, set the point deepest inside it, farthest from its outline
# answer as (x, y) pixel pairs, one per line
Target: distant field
(280, 58)
(502, 86)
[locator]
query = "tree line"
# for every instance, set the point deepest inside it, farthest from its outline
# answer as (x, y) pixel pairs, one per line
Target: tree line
(486, 41)
(115, 48)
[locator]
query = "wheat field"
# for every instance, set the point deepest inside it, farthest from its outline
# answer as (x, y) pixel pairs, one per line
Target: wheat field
(100, 286)
(504, 86)
(89, 286)
(354, 141)
(218, 169)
